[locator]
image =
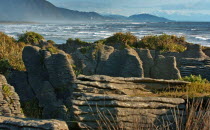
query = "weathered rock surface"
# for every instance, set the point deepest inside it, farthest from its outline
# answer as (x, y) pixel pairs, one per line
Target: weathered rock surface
(90, 58)
(194, 51)
(12, 123)
(9, 100)
(102, 59)
(207, 52)
(193, 61)
(19, 79)
(105, 60)
(103, 101)
(161, 69)
(147, 60)
(71, 47)
(50, 77)
(124, 63)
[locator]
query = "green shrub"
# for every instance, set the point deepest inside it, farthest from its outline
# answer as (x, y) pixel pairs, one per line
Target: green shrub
(52, 49)
(163, 43)
(75, 41)
(51, 41)
(30, 38)
(84, 50)
(11, 50)
(194, 79)
(122, 38)
(4, 66)
(6, 91)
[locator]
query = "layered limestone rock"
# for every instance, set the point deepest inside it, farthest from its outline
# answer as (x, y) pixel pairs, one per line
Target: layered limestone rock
(50, 77)
(11, 113)
(19, 79)
(165, 68)
(103, 102)
(12, 123)
(89, 59)
(9, 100)
(124, 63)
(105, 60)
(102, 59)
(194, 51)
(147, 61)
(193, 61)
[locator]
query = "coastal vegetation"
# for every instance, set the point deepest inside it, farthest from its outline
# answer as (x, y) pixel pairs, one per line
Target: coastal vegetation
(10, 54)
(11, 50)
(30, 38)
(163, 43)
(197, 88)
(75, 41)
(124, 39)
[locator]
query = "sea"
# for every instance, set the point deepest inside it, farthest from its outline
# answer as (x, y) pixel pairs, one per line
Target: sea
(195, 32)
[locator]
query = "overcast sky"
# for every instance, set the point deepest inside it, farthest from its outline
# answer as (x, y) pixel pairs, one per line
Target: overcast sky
(185, 10)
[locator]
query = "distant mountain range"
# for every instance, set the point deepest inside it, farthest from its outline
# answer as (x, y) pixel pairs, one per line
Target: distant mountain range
(44, 11)
(147, 18)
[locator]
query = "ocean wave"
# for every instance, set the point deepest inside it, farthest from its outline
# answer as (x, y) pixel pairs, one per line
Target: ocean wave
(202, 38)
(193, 29)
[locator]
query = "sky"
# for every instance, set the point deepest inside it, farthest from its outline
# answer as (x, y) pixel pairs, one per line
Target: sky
(180, 10)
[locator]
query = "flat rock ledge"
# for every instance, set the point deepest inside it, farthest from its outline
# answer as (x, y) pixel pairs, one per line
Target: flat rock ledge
(103, 102)
(14, 123)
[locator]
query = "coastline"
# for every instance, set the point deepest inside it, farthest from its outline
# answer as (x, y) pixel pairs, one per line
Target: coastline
(17, 22)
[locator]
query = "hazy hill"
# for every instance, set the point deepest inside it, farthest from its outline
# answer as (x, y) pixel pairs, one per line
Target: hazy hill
(147, 18)
(44, 11)
(40, 11)
(116, 17)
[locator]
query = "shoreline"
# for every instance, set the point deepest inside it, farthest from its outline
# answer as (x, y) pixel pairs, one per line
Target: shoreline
(17, 22)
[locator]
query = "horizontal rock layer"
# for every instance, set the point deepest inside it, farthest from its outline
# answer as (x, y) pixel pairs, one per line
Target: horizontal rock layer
(103, 102)
(9, 100)
(13, 123)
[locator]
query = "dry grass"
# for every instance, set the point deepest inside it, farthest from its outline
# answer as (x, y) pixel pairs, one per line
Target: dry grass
(192, 90)
(11, 50)
(195, 117)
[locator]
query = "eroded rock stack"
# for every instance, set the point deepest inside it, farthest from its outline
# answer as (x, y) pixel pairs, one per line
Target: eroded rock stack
(48, 80)
(11, 116)
(103, 102)
(105, 60)
(9, 100)
(50, 77)
(165, 68)
(193, 61)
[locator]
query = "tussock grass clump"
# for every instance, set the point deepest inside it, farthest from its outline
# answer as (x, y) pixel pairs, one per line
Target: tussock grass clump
(163, 43)
(30, 38)
(51, 42)
(194, 79)
(51, 48)
(122, 38)
(10, 53)
(190, 91)
(75, 41)
(199, 87)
